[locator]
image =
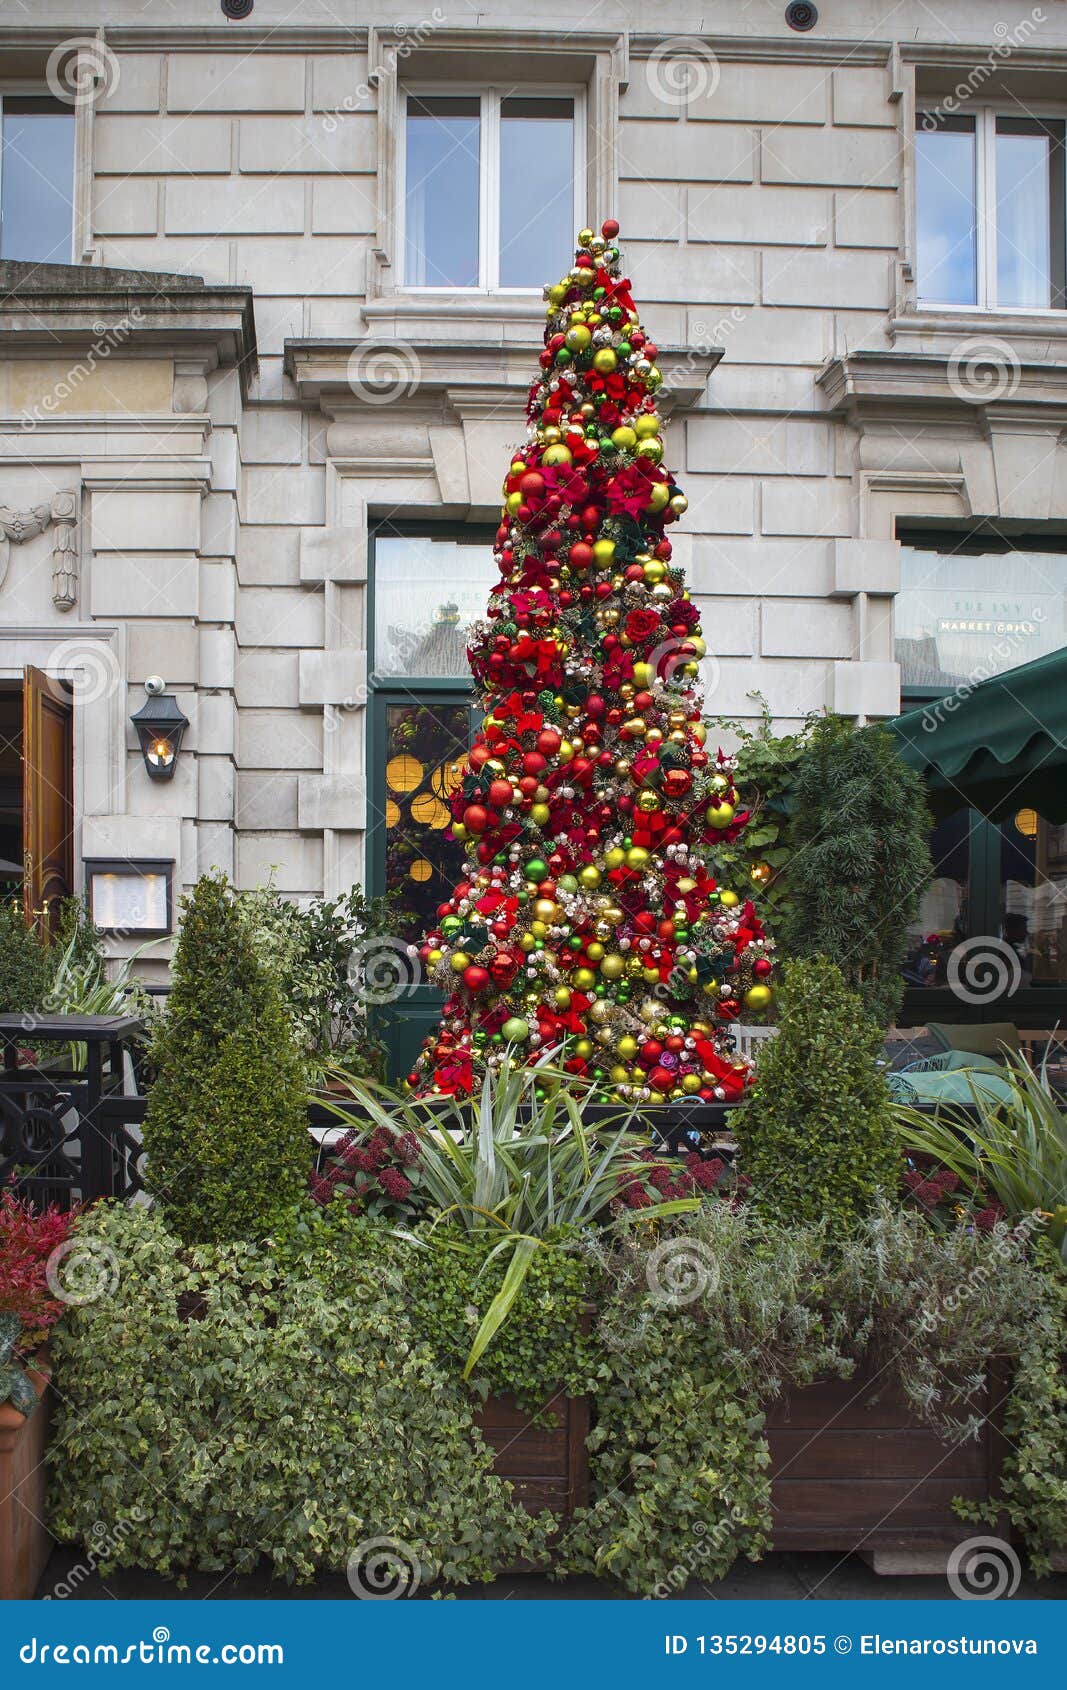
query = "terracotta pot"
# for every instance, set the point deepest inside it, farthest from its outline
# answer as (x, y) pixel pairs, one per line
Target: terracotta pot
(25, 1543)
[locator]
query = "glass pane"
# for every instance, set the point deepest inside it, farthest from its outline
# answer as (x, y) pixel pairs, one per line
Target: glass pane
(427, 592)
(960, 617)
(425, 752)
(942, 920)
(1033, 897)
(945, 216)
(37, 181)
(1023, 276)
(443, 192)
(536, 228)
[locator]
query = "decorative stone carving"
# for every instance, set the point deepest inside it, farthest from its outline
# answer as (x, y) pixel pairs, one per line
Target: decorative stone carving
(62, 513)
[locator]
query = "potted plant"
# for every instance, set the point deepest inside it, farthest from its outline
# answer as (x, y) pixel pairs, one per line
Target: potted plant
(28, 1310)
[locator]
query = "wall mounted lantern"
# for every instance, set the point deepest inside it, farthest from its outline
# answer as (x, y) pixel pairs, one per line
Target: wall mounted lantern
(160, 725)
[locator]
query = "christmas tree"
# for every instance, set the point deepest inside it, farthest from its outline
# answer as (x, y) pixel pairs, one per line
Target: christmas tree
(589, 920)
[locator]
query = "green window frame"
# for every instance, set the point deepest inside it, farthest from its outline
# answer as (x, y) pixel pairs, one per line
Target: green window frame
(403, 1023)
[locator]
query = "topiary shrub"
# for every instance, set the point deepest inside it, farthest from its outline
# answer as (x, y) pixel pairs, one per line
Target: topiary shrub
(226, 1125)
(817, 1133)
(858, 859)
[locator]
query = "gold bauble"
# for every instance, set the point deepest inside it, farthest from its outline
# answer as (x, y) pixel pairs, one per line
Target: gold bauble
(627, 1047)
(729, 900)
(545, 909)
(758, 997)
(679, 504)
(584, 979)
(604, 360)
(561, 997)
(654, 571)
(615, 857)
(540, 814)
(599, 1011)
(603, 553)
(459, 961)
(648, 802)
(527, 942)
(624, 437)
(720, 815)
(651, 449)
(556, 455)
(637, 857)
(613, 966)
(690, 1084)
(594, 951)
(583, 1048)
(646, 426)
(589, 876)
(585, 237)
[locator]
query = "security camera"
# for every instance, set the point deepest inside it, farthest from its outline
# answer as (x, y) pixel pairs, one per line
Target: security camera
(154, 685)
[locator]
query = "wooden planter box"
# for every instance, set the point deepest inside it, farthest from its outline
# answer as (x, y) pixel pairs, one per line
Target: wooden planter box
(25, 1543)
(548, 1465)
(854, 1470)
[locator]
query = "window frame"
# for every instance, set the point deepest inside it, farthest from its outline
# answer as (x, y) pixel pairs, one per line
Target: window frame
(34, 91)
(489, 96)
(985, 114)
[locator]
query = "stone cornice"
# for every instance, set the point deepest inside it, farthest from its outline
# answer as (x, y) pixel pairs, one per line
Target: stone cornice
(455, 376)
(994, 383)
(52, 307)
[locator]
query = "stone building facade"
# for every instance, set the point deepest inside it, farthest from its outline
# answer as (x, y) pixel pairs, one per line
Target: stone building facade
(211, 401)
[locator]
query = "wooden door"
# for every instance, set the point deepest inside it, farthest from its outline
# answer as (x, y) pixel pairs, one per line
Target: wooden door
(47, 794)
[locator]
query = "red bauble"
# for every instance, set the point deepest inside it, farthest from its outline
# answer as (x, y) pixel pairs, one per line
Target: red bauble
(500, 794)
(476, 978)
(762, 967)
(548, 742)
(476, 818)
(661, 1079)
(650, 1053)
(728, 1009)
(532, 484)
(580, 555)
(609, 229)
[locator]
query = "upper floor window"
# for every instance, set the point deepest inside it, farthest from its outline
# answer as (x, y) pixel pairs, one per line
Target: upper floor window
(990, 210)
(36, 179)
(489, 188)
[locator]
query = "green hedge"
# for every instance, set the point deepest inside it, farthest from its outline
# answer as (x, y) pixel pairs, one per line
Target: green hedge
(311, 1403)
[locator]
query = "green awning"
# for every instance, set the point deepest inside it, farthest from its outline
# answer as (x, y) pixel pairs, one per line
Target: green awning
(1000, 746)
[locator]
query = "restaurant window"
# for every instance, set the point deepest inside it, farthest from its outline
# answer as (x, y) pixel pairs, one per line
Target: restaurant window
(989, 199)
(36, 179)
(471, 217)
(427, 587)
(976, 604)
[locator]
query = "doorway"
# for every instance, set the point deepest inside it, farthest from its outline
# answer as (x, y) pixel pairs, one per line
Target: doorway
(37, 793)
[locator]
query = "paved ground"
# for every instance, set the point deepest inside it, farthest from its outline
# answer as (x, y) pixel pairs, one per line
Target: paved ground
(791, 1577)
